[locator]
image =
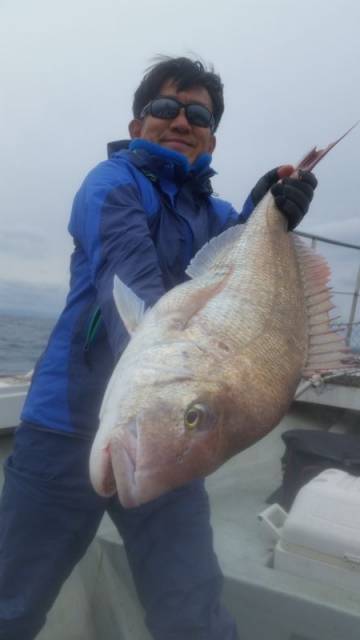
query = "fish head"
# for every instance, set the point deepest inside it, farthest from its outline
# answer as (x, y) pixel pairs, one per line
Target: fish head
(163, 436)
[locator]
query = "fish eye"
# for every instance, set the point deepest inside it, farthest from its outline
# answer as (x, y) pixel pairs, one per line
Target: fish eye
(194, 416)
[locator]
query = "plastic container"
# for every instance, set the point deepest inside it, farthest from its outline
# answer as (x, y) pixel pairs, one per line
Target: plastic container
(320, 537)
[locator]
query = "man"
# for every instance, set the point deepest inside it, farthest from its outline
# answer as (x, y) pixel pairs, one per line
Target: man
(142, 215)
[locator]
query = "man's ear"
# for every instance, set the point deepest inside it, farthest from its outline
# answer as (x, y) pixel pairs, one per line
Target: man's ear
(135, 127)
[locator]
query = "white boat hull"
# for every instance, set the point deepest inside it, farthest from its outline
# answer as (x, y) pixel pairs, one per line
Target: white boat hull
(13, 392)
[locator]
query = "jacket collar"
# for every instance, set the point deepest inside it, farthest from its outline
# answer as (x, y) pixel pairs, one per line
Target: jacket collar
(159, 163)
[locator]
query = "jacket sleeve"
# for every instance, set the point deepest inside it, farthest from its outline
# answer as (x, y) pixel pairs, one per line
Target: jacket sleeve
(110, 224)
(227, 214)
(247, 209)
(245, 213)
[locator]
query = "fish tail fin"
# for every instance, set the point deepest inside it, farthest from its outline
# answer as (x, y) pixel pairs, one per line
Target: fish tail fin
(327, 350)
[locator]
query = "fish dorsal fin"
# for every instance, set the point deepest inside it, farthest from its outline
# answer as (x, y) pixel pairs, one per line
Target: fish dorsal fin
(130, 307)
(327, 350)
(212, 251)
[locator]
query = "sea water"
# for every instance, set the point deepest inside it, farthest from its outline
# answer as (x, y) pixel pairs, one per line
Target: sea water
(22, 340)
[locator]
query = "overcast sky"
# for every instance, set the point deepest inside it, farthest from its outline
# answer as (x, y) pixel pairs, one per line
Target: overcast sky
(68, 73)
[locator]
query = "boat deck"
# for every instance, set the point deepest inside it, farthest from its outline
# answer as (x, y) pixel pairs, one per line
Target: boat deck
(99, 600)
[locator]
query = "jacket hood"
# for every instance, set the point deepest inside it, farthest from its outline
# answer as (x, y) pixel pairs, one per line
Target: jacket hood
(158, 163)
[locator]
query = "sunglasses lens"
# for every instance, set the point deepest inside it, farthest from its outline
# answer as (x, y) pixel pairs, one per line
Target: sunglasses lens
(198, 115)
(168, 108)
(165, 108)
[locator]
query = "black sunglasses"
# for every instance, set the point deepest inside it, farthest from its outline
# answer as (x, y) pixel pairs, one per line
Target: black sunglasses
(169, 108)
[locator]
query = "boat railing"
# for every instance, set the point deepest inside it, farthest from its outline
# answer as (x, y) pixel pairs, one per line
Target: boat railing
(349, 327)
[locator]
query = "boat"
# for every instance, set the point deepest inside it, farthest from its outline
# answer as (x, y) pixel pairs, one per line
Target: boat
(99, 599)
(13, 389)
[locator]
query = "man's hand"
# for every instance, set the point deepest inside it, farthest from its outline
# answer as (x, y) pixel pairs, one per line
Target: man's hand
(292, 195)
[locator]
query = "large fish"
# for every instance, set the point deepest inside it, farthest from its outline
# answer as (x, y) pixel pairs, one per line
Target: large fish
(214, 365)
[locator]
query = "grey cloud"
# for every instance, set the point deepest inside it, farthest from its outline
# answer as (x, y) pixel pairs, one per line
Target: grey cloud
(68, 84)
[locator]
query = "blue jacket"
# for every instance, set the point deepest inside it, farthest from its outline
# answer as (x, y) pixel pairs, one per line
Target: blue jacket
(142, 215)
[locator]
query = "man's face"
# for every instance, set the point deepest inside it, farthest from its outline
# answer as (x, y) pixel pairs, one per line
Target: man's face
(178, 134)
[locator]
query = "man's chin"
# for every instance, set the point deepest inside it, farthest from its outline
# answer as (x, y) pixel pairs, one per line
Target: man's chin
(179, 147)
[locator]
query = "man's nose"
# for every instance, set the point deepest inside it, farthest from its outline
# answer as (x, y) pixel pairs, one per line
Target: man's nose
(181, 121)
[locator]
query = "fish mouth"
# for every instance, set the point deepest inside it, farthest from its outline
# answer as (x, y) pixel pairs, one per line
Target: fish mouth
(134, 487)
(136, 483)
(123, 449)
(118, 467)
(143, 471)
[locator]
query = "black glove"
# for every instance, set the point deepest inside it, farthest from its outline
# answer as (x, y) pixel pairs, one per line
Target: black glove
(292, 195)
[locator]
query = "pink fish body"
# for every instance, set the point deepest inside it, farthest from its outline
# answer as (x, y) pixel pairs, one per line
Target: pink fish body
(214, 365)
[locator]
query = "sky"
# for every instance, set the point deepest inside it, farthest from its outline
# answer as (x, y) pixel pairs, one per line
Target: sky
(68, 73)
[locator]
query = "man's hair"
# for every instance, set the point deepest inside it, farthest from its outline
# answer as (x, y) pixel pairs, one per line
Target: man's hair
(185, 73)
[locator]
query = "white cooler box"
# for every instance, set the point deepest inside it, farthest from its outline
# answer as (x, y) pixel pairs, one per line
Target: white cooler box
(320, 537)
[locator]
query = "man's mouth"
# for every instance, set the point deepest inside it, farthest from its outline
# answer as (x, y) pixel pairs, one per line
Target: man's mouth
(178, 141)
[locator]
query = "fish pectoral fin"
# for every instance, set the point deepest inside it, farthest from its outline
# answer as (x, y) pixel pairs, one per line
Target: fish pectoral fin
(198, 298)
(130, 307)
(216, 250)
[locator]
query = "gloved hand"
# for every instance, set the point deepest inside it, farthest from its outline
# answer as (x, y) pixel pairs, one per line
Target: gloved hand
(292, 195)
